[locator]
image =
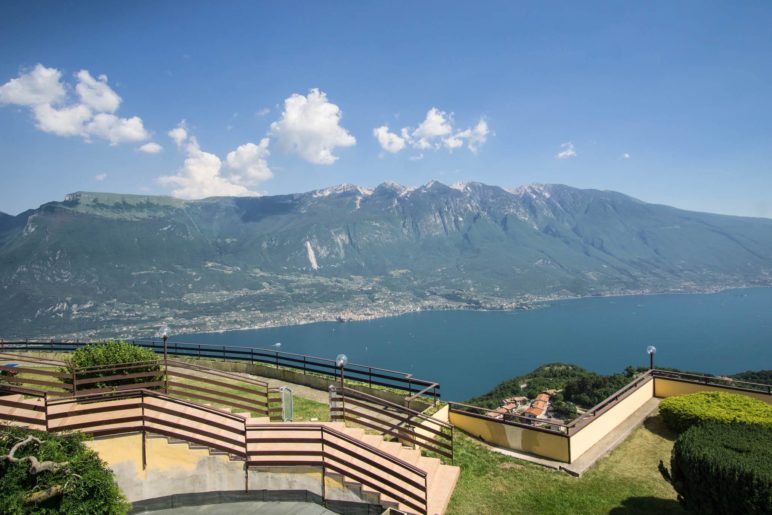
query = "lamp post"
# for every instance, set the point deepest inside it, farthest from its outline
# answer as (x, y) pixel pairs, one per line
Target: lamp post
(341, 361)
(651, 350)
(165, 336)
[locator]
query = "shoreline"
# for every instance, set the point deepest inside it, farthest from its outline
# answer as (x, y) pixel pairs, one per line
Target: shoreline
(528, 305)
(322, 314)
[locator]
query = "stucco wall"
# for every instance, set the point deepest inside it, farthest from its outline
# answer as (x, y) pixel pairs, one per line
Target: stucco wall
(668, 388)
(541, 443)
(605, 423)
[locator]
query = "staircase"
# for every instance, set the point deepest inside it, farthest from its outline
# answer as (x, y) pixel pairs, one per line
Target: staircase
(377, 471)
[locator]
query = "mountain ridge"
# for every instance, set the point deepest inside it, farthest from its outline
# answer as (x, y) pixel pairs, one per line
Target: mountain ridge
(107, 263)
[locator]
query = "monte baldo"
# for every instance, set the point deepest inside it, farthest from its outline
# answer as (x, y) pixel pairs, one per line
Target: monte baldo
(100, 264)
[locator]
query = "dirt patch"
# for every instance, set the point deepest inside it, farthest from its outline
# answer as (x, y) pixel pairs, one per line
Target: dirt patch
(509, 465)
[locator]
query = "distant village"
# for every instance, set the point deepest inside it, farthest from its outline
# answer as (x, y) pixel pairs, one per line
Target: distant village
(521, 409)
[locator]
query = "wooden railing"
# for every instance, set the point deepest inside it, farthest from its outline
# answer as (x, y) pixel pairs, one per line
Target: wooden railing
(301, 363)
(184, 380)
(323, 446)
(391, 419)
(261, 445)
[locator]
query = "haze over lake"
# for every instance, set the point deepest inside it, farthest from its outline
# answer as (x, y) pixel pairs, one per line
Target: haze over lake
(469, 352)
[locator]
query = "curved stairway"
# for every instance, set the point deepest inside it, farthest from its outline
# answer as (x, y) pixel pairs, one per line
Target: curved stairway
(380, 471)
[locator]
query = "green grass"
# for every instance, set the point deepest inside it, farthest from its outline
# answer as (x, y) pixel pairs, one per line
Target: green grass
(304, 410)
(625, 482)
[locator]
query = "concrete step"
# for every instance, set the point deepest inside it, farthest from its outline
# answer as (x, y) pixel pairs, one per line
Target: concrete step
(443, 484)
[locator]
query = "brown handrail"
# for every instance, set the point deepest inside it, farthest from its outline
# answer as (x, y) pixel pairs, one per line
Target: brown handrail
(394, 472)
(356, 393)
(382, 481)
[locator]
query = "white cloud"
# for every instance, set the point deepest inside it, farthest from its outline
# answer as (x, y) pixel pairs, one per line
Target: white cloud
(437, 123)
(100, 177)
(150, 148)
(263, 112)
(310, 127)
(250, 160)
(567, 150)
(43, 91)
(474, 137)
(389, 141)
(625, 156)
(117, 130)
(434, 132)
(416, 157)
(180, 133)
(203, 174)
(67, 121)
(96, 94)
(40, 86)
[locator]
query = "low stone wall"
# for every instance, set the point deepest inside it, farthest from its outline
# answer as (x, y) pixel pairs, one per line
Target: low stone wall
(665, 387)
(531, 440)
(591, 434)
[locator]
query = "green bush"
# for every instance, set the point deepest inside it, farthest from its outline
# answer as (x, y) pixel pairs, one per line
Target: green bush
(721, 468)
(87, 485)
(682, 412)
(112, 353)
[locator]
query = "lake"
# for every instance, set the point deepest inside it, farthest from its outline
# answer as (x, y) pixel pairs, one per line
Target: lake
(468, 352)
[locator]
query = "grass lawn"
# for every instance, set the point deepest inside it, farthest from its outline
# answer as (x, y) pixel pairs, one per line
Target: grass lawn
(624, 482)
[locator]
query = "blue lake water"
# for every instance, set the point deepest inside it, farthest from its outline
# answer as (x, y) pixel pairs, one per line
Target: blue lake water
(468, 352)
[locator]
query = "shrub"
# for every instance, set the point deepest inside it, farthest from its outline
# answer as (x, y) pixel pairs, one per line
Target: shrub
(593, 389)
(112, 353)
(721, 468)
(682, 412)
(87, 486)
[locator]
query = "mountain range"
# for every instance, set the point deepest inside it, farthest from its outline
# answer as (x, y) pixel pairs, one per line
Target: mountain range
(103, 264)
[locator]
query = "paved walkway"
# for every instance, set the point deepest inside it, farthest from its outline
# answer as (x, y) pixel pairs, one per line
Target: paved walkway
(298, 390)
(607, 444)
(256, 507)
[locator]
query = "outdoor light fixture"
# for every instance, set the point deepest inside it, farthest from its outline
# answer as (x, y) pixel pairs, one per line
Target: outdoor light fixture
(651, 350)
(164, 332)
(341, 361)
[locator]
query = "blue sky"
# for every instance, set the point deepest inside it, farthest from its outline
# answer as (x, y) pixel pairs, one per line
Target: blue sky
(666, 101)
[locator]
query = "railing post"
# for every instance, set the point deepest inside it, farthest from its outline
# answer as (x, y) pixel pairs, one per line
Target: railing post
(324, 466)
(45, 407)
(246, 457)
(144, 432)
(304, 364)
(277, 359)
(370, 374)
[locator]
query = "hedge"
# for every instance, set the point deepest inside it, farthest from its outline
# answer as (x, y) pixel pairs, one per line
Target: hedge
(113, 352)
(719, 468)
(684, 411)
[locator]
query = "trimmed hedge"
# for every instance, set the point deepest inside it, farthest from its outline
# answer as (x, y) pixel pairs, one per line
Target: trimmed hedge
(682, 412)
(113, 352)
(721, 468)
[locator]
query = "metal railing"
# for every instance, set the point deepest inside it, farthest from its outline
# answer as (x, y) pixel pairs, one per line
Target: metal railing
(184, 380)
(338, 452)
(302, 363)
(393, 420)
(261, 445)
(571, 428)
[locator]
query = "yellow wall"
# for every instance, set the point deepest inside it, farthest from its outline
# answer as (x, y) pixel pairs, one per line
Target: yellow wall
(605, 423)
(541, 443)
(668, 388)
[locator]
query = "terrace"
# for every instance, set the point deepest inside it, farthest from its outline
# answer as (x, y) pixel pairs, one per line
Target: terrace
(381, 438)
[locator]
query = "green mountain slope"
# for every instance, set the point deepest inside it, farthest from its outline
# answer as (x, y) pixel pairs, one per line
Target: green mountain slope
(101, 263)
